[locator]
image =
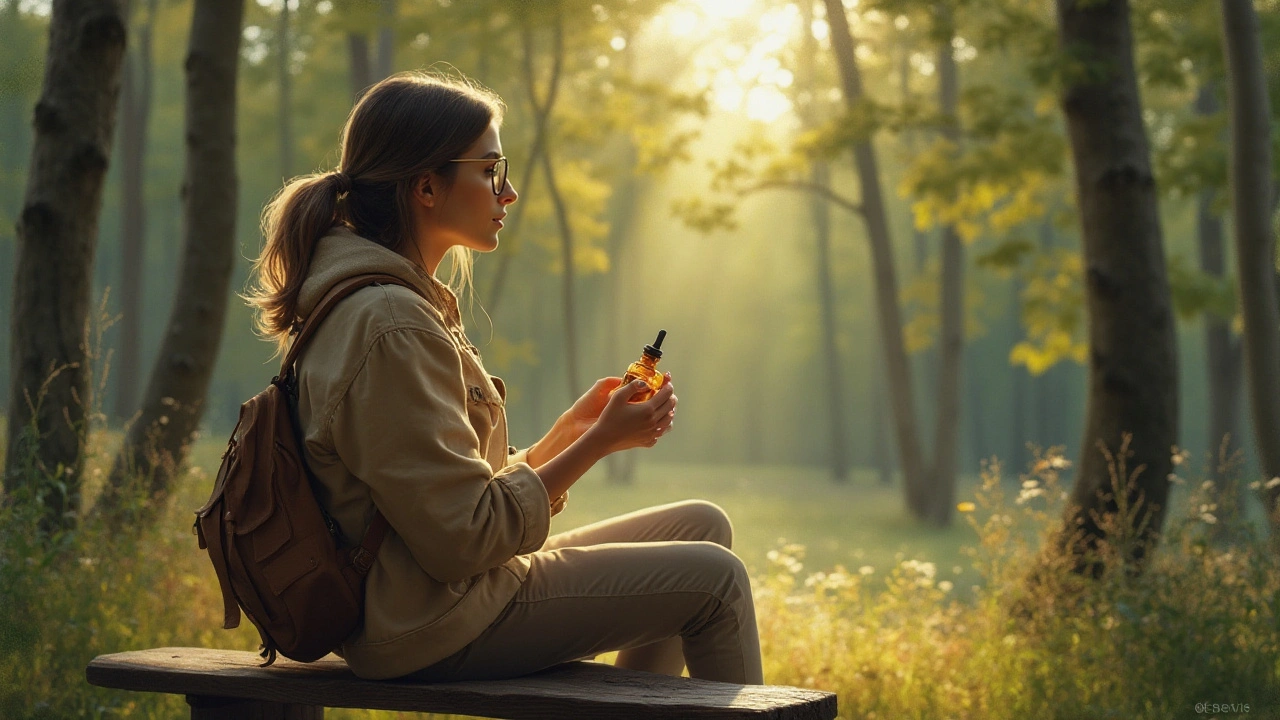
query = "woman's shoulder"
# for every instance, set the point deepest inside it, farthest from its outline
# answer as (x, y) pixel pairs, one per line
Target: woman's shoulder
(383, 308)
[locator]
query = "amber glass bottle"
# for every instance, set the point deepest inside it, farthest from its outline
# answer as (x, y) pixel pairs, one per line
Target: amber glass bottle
(646, 368)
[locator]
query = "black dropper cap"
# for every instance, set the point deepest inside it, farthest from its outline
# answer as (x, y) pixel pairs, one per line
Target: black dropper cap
(655, 350)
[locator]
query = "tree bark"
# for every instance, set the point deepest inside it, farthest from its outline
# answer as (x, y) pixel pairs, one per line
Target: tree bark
(361, 69)
(283, 49)
(942, 475)
(1251, 206)
(157, 444)
(567, 280)
(820, 216)
(57, 234)
(1132, 402)
(1225, 357)
(135, 113)
(897, 364)
(386, 39)
(541, 124)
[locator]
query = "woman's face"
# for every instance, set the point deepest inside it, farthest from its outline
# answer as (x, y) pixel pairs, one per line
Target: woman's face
(467, 212)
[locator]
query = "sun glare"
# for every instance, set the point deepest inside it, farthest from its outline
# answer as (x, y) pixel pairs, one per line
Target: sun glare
(739, 55)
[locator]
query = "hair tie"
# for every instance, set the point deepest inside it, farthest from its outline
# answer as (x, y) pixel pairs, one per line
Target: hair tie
(343, 182)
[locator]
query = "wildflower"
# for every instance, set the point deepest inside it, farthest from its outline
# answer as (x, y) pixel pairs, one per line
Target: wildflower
(1273, 482)
(1209, 518)
(1179, 455)
(945, 586)
(866, 570)
(968, 507)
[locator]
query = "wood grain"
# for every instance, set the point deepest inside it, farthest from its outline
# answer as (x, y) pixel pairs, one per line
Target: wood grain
(572, 690)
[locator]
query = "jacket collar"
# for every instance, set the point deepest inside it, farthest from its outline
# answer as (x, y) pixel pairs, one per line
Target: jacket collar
(341, 254)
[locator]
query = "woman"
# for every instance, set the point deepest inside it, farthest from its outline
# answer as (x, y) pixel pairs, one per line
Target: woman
(398, 413)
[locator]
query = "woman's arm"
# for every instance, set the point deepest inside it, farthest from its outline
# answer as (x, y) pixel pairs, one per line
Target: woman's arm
(569, 464)
(557, 439)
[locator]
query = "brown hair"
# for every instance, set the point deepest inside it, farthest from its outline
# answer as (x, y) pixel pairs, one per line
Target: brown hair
(403, 127)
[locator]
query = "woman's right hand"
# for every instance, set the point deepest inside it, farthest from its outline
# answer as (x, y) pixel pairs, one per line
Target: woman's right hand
(624, 425)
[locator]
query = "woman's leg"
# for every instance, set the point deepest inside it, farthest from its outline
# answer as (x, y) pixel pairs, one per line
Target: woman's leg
(580, 601)
(687, 520)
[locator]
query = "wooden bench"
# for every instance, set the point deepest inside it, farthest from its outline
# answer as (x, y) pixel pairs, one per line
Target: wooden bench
(229, 684)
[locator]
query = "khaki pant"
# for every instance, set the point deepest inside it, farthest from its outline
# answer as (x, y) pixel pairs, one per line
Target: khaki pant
(658, 584)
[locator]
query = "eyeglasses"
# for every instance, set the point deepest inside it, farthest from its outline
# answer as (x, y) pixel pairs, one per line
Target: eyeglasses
(497, 173)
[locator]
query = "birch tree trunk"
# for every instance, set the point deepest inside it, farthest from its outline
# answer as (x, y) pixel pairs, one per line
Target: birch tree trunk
(1132, 402)
(157, 444)
(57, 233)
(1251, 208)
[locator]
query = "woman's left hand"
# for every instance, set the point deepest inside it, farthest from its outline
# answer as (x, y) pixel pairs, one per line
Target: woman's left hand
(586, 410)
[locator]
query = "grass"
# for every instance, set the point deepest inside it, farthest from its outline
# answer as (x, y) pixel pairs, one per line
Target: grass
(859, 523)
(852, 597)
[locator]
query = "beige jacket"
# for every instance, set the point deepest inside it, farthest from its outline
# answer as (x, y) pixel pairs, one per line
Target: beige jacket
(397, 410)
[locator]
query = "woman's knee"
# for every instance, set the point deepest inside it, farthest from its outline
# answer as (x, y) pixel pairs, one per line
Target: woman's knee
(712, 520)
(717, 564)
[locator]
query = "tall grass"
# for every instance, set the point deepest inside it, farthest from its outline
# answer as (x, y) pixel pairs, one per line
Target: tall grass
(1199, 627)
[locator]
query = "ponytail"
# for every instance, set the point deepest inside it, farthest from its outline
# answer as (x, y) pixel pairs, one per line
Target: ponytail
(292, 223)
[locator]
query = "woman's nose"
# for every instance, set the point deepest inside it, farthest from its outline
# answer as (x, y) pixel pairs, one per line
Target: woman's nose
(509, 194)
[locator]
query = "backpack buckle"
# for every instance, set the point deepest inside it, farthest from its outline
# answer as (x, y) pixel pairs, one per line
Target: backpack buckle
(362, 559)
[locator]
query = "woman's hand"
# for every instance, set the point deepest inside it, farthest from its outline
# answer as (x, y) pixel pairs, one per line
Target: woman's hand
(621, 424)
(586, 410)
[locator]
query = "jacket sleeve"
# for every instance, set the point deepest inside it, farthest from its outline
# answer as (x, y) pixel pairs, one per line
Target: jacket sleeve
(515, 456)
(402, 428)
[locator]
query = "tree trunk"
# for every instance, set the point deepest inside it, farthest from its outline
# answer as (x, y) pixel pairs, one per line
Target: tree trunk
(1225, 358)
(284, 49)
(386, 39)
(1251, 203)
(361, 69)
(620, 467)
(135, 112)
(57, 233)
(820, 215)
(157, 444)
(942, 474)
(541, 124)
(1132, 402)
(567, 280)
(897, 364)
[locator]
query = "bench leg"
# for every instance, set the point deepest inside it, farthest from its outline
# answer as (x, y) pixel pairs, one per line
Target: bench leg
(204, 707)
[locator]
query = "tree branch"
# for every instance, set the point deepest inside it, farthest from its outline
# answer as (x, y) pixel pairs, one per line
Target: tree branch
(806, 186)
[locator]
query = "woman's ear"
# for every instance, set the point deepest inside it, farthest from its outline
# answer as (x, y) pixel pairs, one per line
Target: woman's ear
(423, 192)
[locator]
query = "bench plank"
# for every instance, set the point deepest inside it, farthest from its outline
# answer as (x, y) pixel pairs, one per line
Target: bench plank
(581, 689)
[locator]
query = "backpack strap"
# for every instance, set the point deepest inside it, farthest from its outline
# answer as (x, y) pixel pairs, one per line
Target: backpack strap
(331, 298)
(362, 555)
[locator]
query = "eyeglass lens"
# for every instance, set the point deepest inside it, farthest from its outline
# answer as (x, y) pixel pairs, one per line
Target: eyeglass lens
(499, 176)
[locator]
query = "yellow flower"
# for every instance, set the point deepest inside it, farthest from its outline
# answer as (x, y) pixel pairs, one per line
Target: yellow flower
(966, 507)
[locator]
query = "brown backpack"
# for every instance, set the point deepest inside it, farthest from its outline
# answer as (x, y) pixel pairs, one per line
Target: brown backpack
(277, 554)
